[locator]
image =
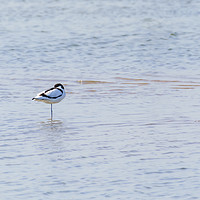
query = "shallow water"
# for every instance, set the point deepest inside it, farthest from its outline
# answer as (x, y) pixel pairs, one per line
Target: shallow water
(129, 125)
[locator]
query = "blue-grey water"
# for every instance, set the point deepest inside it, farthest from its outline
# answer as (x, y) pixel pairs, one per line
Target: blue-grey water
(129, 127)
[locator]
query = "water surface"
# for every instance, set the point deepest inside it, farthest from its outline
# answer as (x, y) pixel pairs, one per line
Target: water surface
(129, 125)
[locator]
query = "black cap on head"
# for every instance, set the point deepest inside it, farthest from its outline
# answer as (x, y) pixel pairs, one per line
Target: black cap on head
(59, 85)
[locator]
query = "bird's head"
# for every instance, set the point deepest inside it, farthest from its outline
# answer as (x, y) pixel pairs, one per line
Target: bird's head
(59, 85)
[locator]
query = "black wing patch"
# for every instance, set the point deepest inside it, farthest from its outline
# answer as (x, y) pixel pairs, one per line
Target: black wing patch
(44, 95)
(49, 90)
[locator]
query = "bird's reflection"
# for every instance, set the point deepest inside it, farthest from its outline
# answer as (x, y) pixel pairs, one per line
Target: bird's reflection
(52, 125)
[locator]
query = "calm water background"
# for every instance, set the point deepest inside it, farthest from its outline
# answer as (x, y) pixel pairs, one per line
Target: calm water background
(129, 127)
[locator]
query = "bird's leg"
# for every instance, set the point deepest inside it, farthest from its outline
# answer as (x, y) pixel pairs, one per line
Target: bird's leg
(51, 113)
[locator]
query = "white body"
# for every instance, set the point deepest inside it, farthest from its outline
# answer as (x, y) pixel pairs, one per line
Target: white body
(51, 96)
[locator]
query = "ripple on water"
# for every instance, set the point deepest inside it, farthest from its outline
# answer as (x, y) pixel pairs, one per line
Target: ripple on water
(129, 125)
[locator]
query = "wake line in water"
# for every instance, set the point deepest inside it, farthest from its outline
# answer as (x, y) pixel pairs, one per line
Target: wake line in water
(123, 83)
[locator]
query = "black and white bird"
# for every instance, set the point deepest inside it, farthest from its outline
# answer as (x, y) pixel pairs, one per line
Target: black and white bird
(51, 96)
